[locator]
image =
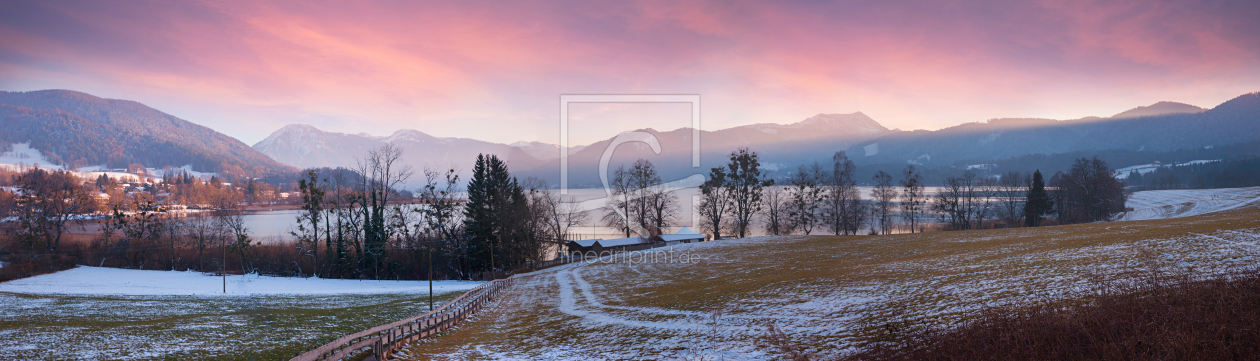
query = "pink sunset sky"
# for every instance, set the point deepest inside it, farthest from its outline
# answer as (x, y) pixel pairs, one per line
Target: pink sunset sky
(494, 70)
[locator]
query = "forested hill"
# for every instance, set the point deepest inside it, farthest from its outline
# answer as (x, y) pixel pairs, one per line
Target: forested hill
(1171, 127)
(79, 129)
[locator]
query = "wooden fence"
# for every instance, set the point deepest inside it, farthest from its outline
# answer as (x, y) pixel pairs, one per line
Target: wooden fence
(385, 339)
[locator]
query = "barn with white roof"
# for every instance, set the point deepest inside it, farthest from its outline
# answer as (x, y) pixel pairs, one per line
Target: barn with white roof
(684, 235)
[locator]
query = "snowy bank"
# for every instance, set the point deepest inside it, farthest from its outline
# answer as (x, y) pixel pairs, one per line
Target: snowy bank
(1186, 202)
(86, 280)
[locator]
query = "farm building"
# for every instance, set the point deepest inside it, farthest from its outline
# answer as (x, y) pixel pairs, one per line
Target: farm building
(684, 235)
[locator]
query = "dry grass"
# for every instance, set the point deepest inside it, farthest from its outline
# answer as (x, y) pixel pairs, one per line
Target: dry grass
(1212, 319)
(832, 296)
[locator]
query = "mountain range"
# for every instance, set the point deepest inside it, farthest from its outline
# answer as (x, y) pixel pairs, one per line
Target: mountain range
(1161, 126)
(77, 129)
(304, 146)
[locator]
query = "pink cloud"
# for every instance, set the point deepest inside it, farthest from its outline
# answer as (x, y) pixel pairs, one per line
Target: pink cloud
(493, 70)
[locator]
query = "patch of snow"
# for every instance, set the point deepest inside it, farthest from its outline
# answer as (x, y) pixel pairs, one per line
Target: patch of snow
(405, 134)
(1177, 203)
(990, 138)
(603, 301)
(871, 149)
(981, 166)
(1200, 162)
(540, 150)
(85, 280)
(1123, 173)
(22, 156)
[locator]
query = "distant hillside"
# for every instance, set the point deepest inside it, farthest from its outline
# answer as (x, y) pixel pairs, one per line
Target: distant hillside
(1160, 108)
(304, 146)
(78, 130)
(781, 146)
(1234, 121)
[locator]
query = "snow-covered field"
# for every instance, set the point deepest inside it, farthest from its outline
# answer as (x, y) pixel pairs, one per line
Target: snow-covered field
(1187, 202)
(1143, 169)
(95, 313)
(98, 281)
(831, 295)
(22, 157)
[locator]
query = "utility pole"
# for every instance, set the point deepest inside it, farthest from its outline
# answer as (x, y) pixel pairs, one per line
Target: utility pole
(430, 278)
(223, 267)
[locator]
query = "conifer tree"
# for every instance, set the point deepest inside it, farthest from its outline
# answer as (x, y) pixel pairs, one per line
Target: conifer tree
(1038, 202)
(495, 202)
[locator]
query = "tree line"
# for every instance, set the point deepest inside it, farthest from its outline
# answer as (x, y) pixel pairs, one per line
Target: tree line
(1229, 173)
(361, 223)
(826, 198)
(358, 229)
(354, 223)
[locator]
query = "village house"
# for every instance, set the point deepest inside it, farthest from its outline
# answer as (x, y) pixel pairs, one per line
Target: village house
(684, 235)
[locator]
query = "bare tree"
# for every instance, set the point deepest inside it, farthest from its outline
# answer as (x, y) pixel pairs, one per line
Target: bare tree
(46, 203)
(985, 199)
(912, 198)
(842, 208)
(204, 232)
(441, 218)
(231, 217)
(964, 202)
(561, 214)
(663, 205)
(778, 207)
(806, 197)
(174, 228)
(312, 194)
(642, 177)
(883, 194)
(534, 229)
(382, 176)
(621, 197)
(1088, 192)
(744, 183)
(714, 203)
(652, 206)
(1011, 192)
(343, 222)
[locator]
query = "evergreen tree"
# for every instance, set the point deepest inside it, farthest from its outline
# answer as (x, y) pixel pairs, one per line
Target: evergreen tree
(1038, 202)
(495, 202)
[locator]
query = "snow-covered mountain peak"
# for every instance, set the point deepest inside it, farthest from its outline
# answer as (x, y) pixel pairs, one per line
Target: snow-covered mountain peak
(855, 122)
(1159, 108)
(406, 134)
(292, 133)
